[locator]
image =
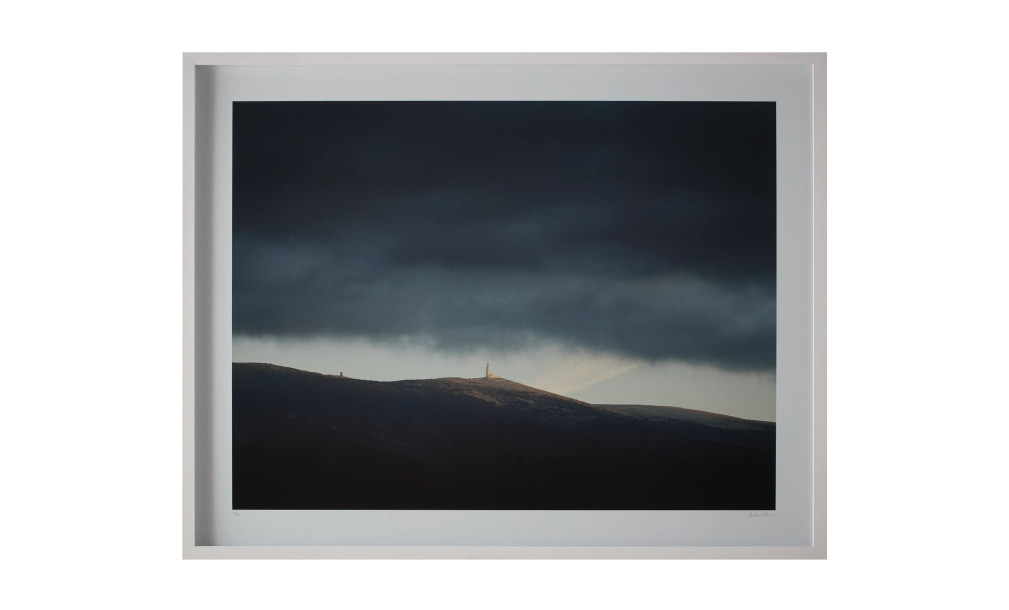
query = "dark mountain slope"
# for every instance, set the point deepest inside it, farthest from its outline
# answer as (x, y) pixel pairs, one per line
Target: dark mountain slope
(309, 441)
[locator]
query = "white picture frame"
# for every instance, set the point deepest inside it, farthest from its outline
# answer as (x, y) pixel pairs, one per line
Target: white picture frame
(205, 432)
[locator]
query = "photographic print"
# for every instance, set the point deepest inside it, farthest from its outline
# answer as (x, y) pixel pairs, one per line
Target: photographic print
(503, 305)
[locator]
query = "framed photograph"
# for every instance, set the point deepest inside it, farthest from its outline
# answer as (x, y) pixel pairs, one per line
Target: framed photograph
(505, 306)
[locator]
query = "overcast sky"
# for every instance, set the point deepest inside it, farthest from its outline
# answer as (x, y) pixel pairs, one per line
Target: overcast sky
(577, 243)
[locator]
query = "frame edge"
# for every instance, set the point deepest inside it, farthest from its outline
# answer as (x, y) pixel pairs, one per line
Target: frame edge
(818, 550)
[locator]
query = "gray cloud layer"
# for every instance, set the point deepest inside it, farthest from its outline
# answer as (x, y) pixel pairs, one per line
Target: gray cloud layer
(647, 229)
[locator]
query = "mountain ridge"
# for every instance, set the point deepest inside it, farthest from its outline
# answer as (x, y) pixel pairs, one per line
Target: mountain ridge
(498, 382)
(304, 440)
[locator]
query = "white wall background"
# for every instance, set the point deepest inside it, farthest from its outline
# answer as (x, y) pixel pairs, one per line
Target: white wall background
(90, 249)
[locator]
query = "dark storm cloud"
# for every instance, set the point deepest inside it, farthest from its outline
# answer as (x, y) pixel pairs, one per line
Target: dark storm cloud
(645, 228)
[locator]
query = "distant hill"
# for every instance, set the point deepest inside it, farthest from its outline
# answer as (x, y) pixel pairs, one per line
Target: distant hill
(309, 441)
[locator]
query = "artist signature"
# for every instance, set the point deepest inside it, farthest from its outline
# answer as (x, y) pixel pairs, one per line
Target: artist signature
(762, 513)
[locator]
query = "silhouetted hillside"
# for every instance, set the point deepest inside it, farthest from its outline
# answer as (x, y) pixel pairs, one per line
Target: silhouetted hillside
(309, 441)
